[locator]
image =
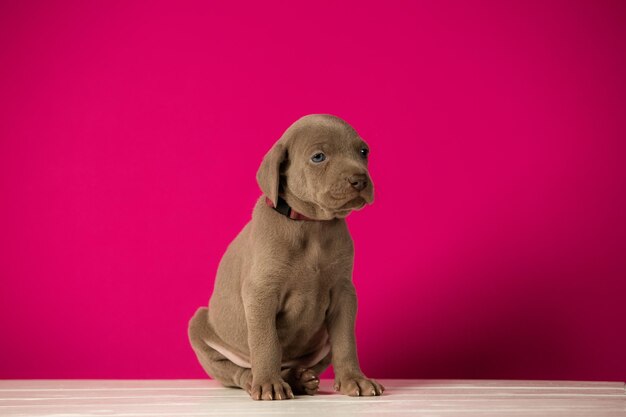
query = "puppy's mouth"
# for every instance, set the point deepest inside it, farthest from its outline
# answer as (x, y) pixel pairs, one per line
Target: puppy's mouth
(339, 201)
(343, 207)
(347, 208)
(350, 199)
(355, 203)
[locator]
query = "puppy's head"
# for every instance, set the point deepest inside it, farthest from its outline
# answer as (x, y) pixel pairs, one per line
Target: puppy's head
(319, 166)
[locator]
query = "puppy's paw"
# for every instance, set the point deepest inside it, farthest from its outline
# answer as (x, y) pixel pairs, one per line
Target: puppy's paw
(302, 380)
(276, 389)
(358, 386)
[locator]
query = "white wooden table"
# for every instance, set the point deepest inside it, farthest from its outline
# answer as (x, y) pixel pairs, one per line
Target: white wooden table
(402, 398)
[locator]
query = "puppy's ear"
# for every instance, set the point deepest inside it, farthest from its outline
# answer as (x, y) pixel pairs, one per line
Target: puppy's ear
(268, 175)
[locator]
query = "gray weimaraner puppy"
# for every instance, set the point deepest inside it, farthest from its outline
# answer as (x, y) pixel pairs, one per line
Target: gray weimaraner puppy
(284, 306)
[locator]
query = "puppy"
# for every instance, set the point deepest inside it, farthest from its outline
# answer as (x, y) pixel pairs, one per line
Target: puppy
(284, 306)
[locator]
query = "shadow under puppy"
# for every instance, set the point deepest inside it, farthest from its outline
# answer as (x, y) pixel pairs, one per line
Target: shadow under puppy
(284, 306)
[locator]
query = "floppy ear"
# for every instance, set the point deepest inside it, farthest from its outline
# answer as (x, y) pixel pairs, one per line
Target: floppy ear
(268, 175)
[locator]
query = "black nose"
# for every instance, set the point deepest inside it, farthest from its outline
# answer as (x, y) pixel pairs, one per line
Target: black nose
(358, 182)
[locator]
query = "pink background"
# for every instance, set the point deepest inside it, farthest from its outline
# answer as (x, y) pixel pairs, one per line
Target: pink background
(130, 135)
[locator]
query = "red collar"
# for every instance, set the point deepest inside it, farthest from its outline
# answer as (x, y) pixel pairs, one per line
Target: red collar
(283, 208)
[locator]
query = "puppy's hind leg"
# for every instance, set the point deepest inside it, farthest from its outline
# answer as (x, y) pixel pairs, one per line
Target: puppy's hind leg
(306, 380)
(214, 363)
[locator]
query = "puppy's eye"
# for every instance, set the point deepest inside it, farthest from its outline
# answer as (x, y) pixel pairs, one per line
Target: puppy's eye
(364, 152)
(318, 157)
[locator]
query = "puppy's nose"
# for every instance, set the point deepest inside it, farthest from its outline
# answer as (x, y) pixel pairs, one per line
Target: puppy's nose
(358, 182)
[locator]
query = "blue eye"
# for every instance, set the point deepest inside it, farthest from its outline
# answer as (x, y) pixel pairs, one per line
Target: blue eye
(364, 152)
(318, 157)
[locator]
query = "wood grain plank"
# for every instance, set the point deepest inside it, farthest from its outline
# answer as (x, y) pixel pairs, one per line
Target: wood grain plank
(403, 398)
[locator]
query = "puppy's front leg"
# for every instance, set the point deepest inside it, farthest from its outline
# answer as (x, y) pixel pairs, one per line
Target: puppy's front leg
(349, 378)
(260, 304)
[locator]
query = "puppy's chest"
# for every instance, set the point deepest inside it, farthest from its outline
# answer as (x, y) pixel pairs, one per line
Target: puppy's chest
(319, 258)
(315, 267)
(312, 258)
(304, 306)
